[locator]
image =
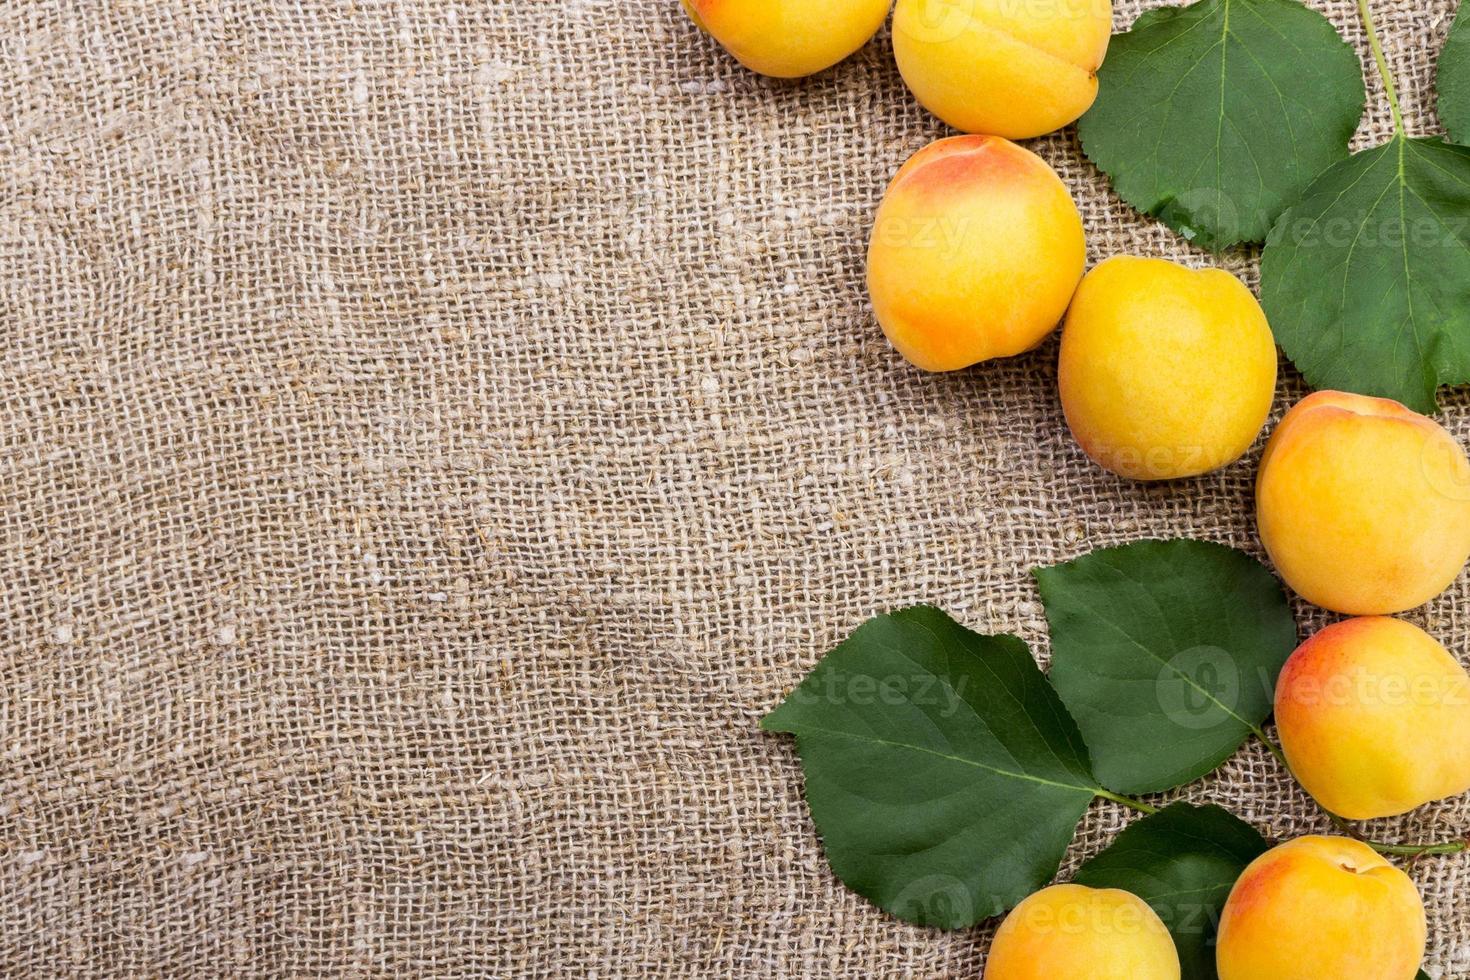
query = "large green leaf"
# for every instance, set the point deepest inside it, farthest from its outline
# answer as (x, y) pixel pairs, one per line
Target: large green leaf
(1215, 117)
(1182, 861)
(1366, 282)
(943, 773)
(1166, 653)
(1454, 78)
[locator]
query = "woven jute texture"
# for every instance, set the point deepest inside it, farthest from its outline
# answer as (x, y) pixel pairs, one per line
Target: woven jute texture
(432, 434)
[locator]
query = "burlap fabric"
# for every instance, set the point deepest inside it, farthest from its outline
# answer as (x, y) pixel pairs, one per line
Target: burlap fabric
(434, 432)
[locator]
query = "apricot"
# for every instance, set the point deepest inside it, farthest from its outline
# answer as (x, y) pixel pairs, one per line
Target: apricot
(1353, 706)
(1071, 932)
(1165, 372)
(1320, 907)
(975, 253)
(789, 38)
(1363, 504)
(996, 66)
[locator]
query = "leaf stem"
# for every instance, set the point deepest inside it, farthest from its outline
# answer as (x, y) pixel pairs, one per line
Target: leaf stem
(1382, 62)
(1419, 850)
(1260, 733)
(1128, 801)
(1343, 827)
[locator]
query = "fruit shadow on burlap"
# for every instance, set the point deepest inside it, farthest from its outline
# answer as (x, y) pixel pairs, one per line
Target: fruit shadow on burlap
(434, 433)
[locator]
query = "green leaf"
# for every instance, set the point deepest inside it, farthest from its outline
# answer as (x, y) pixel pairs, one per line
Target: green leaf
(1454, 79)
(1215, 117)
(1182, 861)
(1166, 653)
(942, 771)
(1366, 282)
(1423, 976)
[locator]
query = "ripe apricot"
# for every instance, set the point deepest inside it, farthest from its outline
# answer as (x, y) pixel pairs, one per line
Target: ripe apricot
(1165, 372)
(1353, 706)
(976, 250)
(1071, 932)
(789, 38)
(1000, 67)
(1363, 504)
(1320, 907)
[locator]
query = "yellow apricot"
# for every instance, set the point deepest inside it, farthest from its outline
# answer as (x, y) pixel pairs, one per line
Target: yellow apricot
(976, 251)
(1363, 505)
(1001, 67)
(1354, 705)
(1165, 372)
(789, 38)
(1318, 908)
(1071, 932)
